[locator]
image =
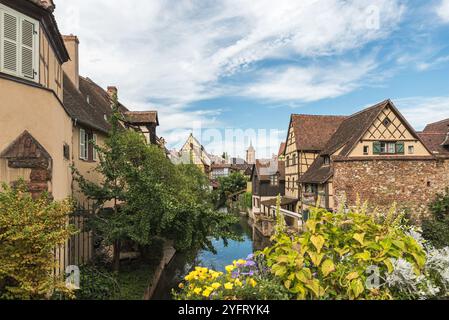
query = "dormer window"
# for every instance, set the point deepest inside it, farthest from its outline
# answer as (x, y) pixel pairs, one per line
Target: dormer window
(19, 44)
(88, 99)
(327, 161)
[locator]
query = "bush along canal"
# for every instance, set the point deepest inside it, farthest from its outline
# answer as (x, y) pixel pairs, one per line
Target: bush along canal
(250, 241)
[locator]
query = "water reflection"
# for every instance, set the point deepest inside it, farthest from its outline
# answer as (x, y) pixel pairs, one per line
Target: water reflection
(182, 263)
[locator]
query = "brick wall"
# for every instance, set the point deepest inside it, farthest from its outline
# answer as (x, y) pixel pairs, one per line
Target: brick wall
(412, 184)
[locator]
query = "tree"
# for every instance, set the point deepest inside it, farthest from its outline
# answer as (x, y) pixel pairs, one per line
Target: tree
(29, 232)
(113, 160)
(151, 198)
(229, 185)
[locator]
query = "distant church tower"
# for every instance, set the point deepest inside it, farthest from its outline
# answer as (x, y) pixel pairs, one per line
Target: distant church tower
(251, 154)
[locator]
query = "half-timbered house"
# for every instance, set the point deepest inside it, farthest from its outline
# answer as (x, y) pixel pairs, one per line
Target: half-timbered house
(377, 156)
(307, 137)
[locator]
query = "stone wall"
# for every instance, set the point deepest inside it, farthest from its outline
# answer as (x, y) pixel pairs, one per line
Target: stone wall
(412, 184)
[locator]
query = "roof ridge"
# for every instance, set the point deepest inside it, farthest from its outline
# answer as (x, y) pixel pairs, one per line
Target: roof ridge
(438, 122)
(369, 108)
(317, 115)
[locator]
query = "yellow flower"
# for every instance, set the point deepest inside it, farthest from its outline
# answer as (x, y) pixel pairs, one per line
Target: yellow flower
(229, 286)
(181, 285)
(206, 293)
(238, 283)
(229, 269)
(197, 290)
(216, 285)
(241, 262)
(252, 282)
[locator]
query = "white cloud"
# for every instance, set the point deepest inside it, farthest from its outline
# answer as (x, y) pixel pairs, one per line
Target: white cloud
(311, 83)
(166, 54)
(420, 111)
(443, 10)
(177, 51)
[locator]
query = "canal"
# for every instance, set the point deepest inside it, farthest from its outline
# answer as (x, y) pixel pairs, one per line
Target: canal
(250, 241)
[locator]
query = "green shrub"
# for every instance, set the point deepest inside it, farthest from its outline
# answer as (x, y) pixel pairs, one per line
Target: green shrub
(97, 283)
(330, 260)
(436, 227)
(30, 230)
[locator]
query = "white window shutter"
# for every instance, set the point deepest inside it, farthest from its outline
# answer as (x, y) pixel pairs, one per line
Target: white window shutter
(10, 43)
(94, 152)
(83, 144)
(28, 49)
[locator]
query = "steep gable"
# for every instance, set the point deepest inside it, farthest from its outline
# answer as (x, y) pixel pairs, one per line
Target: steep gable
(381, 122)
(389, 126)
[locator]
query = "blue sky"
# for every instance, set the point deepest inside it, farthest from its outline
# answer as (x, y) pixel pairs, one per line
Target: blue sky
(247, 65)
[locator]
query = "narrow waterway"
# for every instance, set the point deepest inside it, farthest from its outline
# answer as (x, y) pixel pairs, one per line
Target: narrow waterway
(183, 263)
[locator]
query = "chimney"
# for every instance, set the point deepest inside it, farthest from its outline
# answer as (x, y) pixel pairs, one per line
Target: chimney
(71, 67)
(112, 90)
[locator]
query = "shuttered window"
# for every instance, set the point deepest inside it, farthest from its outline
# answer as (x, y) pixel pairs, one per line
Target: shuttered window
(388, 147)
(94, 150)
(83, 144)
(19, 44)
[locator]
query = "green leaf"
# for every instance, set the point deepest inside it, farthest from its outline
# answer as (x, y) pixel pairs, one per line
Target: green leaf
(389, 265)
(304, 275)
(420, 259)
(365, 256)
(357, 287)
(327, 267)
(311, 225)
(287, 284)
(399, 244)
(360, 238)
(352, 276)
(318, 242)
(316, 258)
(315, 287)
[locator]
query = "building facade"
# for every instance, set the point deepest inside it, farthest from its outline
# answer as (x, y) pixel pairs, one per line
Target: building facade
(307, 137)
(268, 182)
(50, 116)
(193, 152)
(376, 156)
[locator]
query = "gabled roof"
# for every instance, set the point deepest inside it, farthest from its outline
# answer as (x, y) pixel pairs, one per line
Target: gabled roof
(440, 127)
(91, 105)
(313, 131)
(353, 128)
(436, 142)
(92, 113)
(350, 132)
(267, 168)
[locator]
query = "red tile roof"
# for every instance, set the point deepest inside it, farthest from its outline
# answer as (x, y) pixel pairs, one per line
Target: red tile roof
(142, 117)
(312, 132)
(435, 142)
(440, 126)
